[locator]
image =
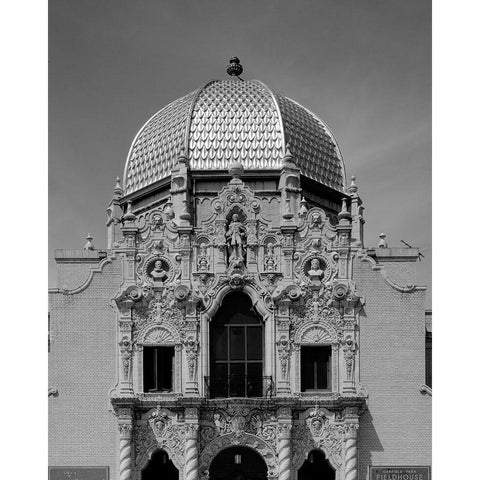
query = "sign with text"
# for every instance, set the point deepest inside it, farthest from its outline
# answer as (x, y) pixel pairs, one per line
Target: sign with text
(400, 473)
(78, 473)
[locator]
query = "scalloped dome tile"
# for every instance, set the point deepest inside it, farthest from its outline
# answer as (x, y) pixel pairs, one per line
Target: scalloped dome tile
(233, 119)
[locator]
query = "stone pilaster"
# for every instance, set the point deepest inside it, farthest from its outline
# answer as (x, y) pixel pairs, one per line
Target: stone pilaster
(192, 348)
(284, 347)
(125, 350)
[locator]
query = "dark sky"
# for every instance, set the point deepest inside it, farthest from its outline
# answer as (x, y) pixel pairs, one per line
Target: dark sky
(363, 66)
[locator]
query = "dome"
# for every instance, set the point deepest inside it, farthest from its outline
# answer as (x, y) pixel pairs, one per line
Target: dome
(233, 120)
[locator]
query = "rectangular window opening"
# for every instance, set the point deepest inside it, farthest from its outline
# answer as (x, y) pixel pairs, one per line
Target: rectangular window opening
(158, 369)
(316, 368)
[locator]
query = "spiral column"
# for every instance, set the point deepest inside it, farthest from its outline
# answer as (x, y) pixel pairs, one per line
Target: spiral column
(350, 438)
(284, 445)
(191, 452)
(125, 458)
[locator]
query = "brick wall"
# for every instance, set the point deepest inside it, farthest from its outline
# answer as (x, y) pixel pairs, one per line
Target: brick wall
(82, 365)
(396, 429)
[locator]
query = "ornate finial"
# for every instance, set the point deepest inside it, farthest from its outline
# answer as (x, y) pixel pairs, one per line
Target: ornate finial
(118, 190)
(236, 170)
(168, 210)
(234, 68)
(184, 214)
(287, 157)
(303, 208)
(182, 157)
(344, 212)
(89, 244)
(129, 216)
(382, 243)
(287, 214)
(353, 186)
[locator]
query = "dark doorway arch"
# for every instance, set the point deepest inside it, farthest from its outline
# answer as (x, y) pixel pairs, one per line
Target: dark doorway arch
(238, 463)
(236, 349)
(316, 466)
(160, 466)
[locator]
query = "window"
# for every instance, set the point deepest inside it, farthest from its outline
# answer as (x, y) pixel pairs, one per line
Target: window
(428, 359)
(316, 368)
(236, 355)
(158, 369)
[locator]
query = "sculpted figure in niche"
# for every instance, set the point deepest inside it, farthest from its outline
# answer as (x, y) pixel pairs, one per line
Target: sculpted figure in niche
(203, 261)
(269, 259)
(235, 237)
(158, 273)
(315, 272)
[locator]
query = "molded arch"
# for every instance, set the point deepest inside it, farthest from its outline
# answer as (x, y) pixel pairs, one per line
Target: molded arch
(257, 301)
(218, 444)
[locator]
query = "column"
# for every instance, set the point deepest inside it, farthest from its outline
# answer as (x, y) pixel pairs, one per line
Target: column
(125, 445)
(191, 444)
(284, 443)
(350, 439)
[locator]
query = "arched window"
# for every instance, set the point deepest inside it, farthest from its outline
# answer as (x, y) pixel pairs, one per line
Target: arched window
(236, 349)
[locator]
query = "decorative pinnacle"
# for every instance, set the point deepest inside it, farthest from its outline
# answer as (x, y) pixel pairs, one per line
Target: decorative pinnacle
(182, 157)
(89, 244)
(303, 208)
(118, 190)
(382, 243)
(344, 212)
(236, 170)
(353, 186)
(129, 216)
(234, 68)
(287, 157)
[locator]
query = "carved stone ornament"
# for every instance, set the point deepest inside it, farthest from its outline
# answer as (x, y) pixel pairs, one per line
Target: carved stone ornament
(340, 291)
(236, 240)
(159, 311)
(316, 267)
(315, 429)
(242, 438)
(126, 354)
(349, 347)
(284, 346)
(191, 350)
(161, 431)
(237, 422)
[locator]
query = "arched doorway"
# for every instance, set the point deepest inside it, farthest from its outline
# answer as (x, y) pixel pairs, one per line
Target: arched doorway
(236, 349)
(160, 466)
(238, 463)
(316, 466)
